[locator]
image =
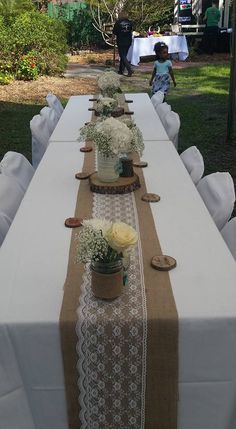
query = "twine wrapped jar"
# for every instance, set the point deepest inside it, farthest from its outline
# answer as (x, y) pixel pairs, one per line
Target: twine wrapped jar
(107, 279)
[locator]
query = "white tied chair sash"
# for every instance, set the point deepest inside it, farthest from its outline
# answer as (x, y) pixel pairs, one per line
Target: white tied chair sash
(40, 136)
(10, 198)
(51, 116)
(55, 104)
(162, 110)
(16, 165)
(171, 124)
(157, 98)
(218, 194)
(229, 235)
(194, 163)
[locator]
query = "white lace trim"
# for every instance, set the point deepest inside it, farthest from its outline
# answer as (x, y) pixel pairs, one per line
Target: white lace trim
(112, 338)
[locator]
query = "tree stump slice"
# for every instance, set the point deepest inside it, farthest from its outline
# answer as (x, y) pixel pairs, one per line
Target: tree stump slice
(123, 185)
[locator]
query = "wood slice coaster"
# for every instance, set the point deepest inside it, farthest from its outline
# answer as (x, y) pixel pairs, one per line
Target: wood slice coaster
(129, 113)
(93, 99)
(129, 101)
(73, 222)
(151, 198)
(91, 109)
(123, 185)
(141, 164)
(86, 123)
(163, 262)
(82, 176)
(86, 149)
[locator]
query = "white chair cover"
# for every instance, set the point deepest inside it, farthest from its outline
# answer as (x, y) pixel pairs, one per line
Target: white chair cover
(171, 124)
(162, 110)
(229, 235)
(10, 198)
(51, 117)
(55, 103)
(40, 136)
(217, 192)
(157, 98)
(16, 165)
(194, 163)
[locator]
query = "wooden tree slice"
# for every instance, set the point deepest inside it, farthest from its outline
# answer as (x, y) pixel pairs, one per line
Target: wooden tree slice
(73, 222)
(93, 99)
(86, 123)
(151, 198)
(163, 262)
(129, 113)
(86, 149)
(91, 109)
(141, 164)
(82, 176)
(123, 185)
(129, 101)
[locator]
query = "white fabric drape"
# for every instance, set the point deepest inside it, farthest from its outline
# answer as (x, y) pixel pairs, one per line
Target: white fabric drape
(218, 194)
(194, 163)
(10, 198)
(40, 136)
(157, 98)
(55, 104)
(16, 165)
(171, 123)
(162, 110)
(229, 235)
(51, 117)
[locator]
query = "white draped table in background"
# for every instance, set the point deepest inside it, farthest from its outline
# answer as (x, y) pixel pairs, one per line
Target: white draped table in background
(33, 266)
(143, 46)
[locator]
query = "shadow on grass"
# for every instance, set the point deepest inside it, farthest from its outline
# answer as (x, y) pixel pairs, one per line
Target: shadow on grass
(15, 127)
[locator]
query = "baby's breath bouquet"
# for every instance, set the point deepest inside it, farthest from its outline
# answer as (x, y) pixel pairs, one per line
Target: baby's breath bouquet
(106, 105)
(103, 241)
(114, 136)
(109, 83)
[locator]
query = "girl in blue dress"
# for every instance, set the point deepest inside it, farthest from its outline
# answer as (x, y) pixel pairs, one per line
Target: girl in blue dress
(162, 71)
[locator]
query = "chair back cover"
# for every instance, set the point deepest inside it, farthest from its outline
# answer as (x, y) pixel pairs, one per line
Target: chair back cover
(40, 136)
(10, 198)
(157, 98)
(16, 165)
(162, 110)
(171, 124)
(229, 235)
(194, 163)
(217, 192)
(51, 117)
(4, 226)
(55, 103)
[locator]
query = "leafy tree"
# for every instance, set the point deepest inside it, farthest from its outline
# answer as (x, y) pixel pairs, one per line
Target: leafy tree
(11, 8)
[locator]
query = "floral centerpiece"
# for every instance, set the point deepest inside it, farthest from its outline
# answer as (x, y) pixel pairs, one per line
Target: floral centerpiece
(112, 137)
(106, 105)
(103, 244)
(109, 83)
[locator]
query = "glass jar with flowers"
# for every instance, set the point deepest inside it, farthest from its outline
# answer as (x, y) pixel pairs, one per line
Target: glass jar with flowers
(112, 138)
(103, 244)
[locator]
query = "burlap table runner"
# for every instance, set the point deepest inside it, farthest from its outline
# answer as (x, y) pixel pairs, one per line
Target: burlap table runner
(147, 361)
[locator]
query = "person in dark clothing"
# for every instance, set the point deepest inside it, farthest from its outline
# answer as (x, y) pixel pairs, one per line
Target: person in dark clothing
(212, 17)
(123, 32)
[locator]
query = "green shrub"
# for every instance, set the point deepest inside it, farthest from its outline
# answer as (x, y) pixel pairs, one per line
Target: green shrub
(32, 38)
(6, 78)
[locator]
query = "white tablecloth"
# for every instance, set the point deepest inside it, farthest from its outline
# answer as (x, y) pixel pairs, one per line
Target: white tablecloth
(33, 265)
(76, 113)
(144, 46)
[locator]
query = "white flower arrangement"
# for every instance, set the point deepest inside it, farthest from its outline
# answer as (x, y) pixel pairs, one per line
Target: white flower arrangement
(103, 241)
(114, 136)
(109, 83)
(105, 105)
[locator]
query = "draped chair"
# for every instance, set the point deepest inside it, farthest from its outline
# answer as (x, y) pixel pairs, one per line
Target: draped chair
(15, 164)
(229, 235)
(157, 98)
(55, 104)
(194, 163)
(171, 123)
(11, 195)
(162, 110)
(51, 116)
(218, 194)
(40, 136)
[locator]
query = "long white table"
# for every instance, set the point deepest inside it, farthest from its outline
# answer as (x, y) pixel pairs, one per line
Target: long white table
(76, 113)
(143, 46)
(33, 265)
